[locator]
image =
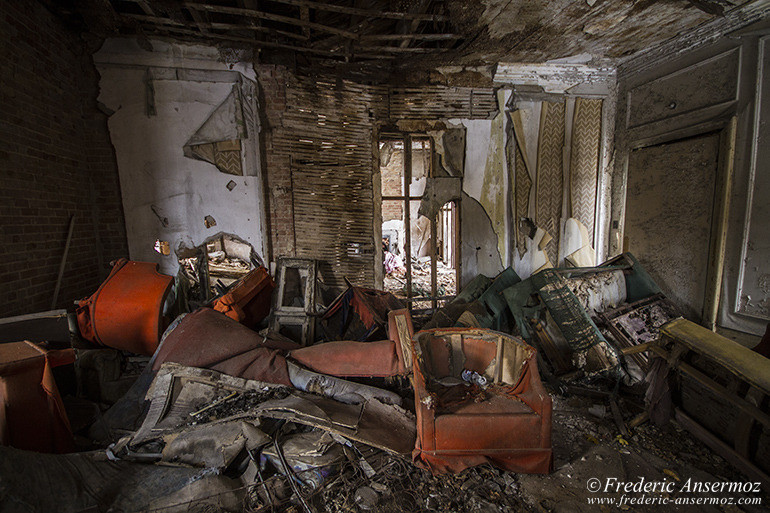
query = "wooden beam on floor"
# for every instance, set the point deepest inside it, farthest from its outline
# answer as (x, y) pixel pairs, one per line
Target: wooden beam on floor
(721, 448)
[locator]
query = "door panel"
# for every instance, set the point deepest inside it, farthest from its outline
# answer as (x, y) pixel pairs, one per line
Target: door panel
(669, 207)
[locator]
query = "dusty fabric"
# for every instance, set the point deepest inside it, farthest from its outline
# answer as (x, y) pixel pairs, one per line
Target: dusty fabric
(209, 339)
(178, 391)
(312, 456)
(73, 483)
(338, 389)
(213, 445)
(346, 358)
(393, 263)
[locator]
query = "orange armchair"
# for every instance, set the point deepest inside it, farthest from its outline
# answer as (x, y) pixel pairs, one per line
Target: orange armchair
(506, 422)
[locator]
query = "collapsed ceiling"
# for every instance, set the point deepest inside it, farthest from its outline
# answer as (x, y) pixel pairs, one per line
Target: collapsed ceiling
(418, 34)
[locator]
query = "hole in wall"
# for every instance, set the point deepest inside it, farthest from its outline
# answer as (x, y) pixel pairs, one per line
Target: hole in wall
(210, 269)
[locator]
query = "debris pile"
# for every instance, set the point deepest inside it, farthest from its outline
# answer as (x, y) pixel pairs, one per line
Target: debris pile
(269, 398)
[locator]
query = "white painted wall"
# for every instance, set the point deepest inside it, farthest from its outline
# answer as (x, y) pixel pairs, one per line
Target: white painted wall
(149, 149)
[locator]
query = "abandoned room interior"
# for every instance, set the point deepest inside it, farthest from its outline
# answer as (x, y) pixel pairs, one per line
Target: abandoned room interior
(384, 255)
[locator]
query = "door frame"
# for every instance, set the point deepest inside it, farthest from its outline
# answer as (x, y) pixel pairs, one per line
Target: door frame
(720, 207)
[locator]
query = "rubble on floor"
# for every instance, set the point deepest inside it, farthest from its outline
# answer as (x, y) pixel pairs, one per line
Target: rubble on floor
(373, 412)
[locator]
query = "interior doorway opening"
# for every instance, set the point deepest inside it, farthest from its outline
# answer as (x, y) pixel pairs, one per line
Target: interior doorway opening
(421, 255)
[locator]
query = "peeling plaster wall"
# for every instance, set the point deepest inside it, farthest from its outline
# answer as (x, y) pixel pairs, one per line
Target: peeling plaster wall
(166, 195)
(479, 242)
(495, 186)
(485, 218)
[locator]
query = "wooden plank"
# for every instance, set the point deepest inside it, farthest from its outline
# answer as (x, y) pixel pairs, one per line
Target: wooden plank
(250, 41)
(745, 424)
(398, 49)
(407, 215)
(199, 21)
(639, 420)
(719, 223)
(718, 389)
(638, 348)
(145, 7)
(616, 415)
(721, 448)
(401, 37)
(404, 339)
(63, 262)
(433, 265)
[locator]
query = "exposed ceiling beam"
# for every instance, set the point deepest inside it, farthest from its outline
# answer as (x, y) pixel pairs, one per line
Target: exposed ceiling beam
(254, 42)
(270, 16)
(304, 15)
(146, 7)
(398, 49)
(412, 26)
(269, 44)
(215, 26)
(369, 13)
(199, 21)
(399, 37)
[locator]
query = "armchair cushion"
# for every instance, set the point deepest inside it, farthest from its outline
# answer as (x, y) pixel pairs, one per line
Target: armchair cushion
(506, 422)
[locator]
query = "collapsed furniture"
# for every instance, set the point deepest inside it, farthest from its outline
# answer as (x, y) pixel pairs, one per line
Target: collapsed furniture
(32, 415)
(248, 300)
(586, 318)
(126, 311)
(718, 390)
(384, 358)
(294, 300)
(359, 314)
(503, 417)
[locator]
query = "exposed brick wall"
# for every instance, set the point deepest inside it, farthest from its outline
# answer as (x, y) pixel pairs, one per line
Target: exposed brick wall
(56, 160)
(272, 82)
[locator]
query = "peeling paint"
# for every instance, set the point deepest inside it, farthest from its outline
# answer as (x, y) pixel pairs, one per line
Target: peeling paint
(493, 188)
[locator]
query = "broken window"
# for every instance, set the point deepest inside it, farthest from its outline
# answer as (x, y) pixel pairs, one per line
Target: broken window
(419, 252)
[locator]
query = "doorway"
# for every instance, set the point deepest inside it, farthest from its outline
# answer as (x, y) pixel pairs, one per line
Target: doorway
(420, 255)
(670, 200)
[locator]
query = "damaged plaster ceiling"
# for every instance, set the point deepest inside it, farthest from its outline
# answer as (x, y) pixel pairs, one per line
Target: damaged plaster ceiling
(416, 34)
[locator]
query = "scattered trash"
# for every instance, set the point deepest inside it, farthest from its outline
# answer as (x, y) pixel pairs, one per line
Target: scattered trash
(238, 413)
(366, 498)
(474, 378)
